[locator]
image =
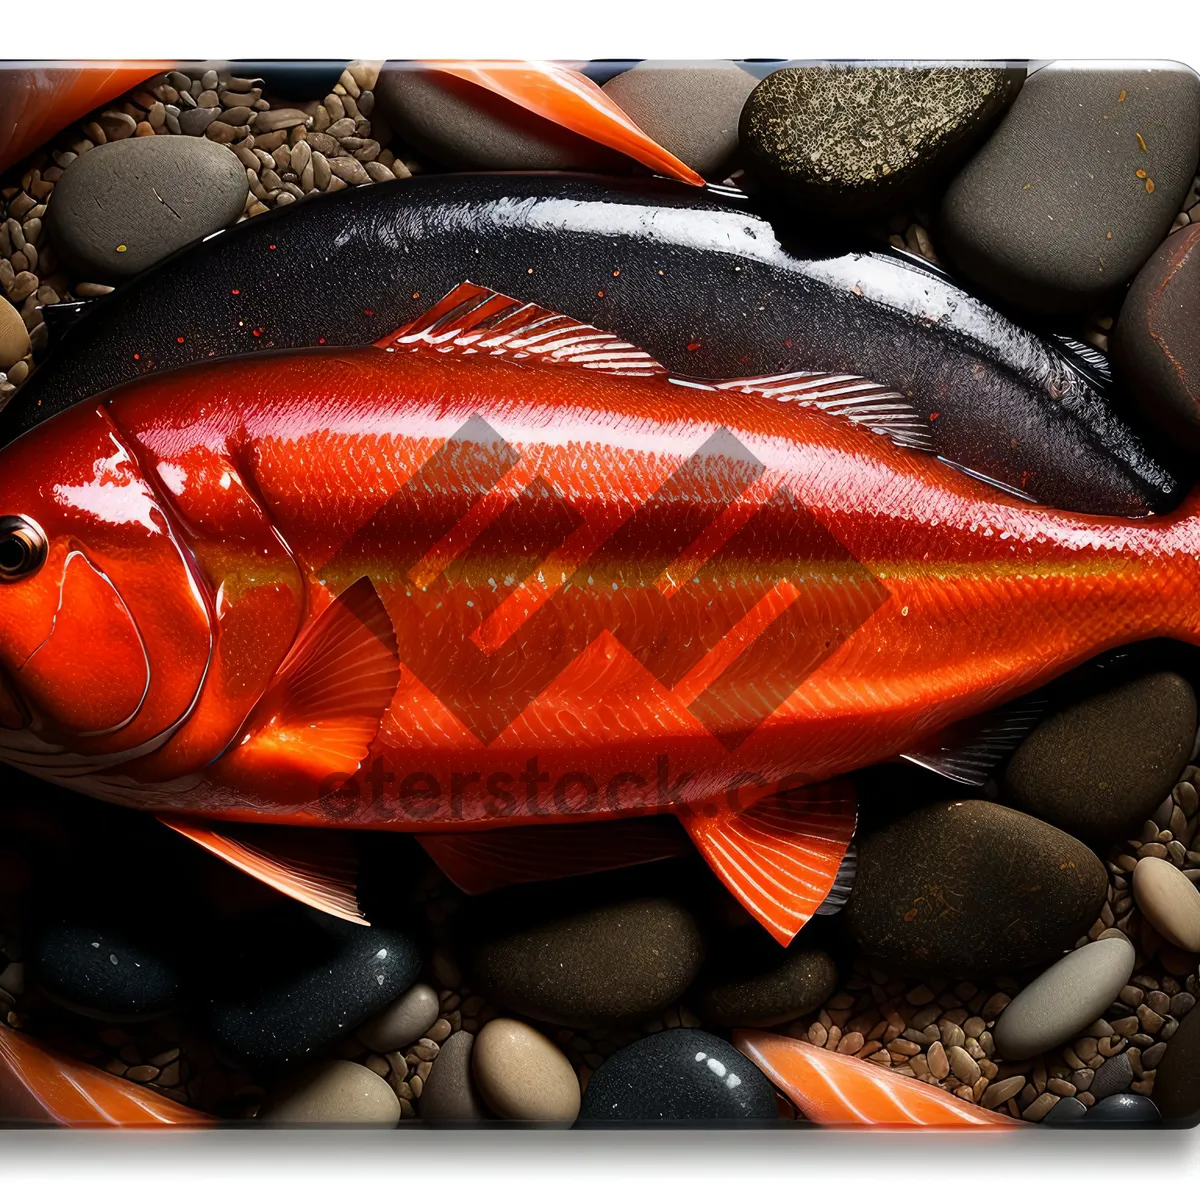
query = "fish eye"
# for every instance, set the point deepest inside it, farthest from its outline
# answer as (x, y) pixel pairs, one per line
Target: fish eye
(22, 548)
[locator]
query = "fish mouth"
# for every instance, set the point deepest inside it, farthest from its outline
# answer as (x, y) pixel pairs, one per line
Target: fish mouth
(14, 714)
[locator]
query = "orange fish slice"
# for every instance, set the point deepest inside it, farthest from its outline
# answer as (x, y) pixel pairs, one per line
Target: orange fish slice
(37, 100)
(838, 1089)
(573, 101)
(40, 1086)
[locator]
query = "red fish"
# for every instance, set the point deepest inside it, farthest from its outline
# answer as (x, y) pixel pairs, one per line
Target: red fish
(41, 1086)
(839, 1089)
(501, 570)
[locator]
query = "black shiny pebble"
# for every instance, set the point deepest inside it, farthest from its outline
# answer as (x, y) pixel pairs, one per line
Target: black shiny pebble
(1126, 1108)
(110, 970)
(294, 980)
(680, 1075)
(1066, 1112)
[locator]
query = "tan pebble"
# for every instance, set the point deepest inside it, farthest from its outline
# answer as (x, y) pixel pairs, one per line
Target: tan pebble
(903, 1046)
(974, 1026)
(978, 1088)
(920, 1064)
(995, 1006)
(1150, 1021)
(1040, 1107)
(1003, 1090)
(377, 1063)
(835, 1036)
(337, 1092)
(1060, 1087)
(818, 1034)
(939, 1065)
(170, 1075)
(851, 1043)
(963, 1065)
(1086, 1048)
(1143, 1087)
(522, 1075)
(143, 1073)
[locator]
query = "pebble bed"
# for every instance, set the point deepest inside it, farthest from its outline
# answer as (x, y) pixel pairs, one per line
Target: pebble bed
(938, 1031)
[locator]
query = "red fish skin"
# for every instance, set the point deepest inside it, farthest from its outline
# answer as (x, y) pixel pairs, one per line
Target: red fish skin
(917, 596)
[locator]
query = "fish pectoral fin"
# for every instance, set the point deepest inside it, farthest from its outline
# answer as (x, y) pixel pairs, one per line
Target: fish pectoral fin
(780, 857)
(483, 861)
(476, 320)
(969, 751)
(875, 407)
(40, 1086)
(317, 867)
(315, 723)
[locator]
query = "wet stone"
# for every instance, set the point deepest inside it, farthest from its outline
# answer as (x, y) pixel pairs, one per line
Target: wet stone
(523, 1076)
(679, 1075)
(402, 1022)
(332, 1093)
(449, 1095)
(1113, 1077)
(1123, 1109)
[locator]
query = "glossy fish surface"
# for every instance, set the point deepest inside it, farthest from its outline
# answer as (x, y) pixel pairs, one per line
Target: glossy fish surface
(501, 569)
(695, 276)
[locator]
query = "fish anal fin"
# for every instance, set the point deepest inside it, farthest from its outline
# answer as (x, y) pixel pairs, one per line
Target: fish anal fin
(969, 751)
(323, 710)
(839, 1089)
(483, 861)
(317, 867)
(781, 856)
(872, 405)
(40, 1086)
(471, 319)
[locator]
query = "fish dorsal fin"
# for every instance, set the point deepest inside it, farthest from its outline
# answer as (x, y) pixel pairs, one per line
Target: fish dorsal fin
(476, 320)
(323, 710)
(317, 867)
(872, 405)
(969, 751)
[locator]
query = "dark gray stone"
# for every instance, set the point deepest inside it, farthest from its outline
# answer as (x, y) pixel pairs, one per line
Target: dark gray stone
(969, 889)
(1051, 214)
(858, 141)
(104, 968)
(1113, 1077)
(1156, 342)
(1067, 1111)
(1128, 1108)
(595, 966)
(196, 120)
(1099, 768)
(680, 1075)
(123, 206)
(291, 981)
(689, 108)
(467, 127)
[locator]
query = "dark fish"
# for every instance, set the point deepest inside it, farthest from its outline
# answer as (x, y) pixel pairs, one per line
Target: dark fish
(696, 277)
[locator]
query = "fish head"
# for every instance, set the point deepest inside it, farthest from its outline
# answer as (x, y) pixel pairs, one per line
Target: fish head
(105, 630)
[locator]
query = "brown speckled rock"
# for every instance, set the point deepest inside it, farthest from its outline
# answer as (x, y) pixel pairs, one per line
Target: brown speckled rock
(606, 964)
(765, 987)
(969, 889)
(1100, 767)
(858, 141)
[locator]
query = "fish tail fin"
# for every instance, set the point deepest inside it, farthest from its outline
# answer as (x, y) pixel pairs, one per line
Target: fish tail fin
(781, 856)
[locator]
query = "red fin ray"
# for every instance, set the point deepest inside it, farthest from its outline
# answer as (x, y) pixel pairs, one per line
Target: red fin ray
(321, 714)
(780, 857)
(317, 867)
(471, 319)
